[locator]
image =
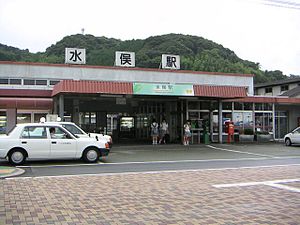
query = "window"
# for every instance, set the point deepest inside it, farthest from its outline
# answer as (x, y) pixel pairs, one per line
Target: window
(284, 88)
(58, 133)
(73, 129)
(226, 105)
(248, 106)
(34, 133)
(24, 118)
(268, 106)
(28, 82)
(3, 81)
(268, 90)
(41, 82)
(15, 81)
(53, 82)
(238, 106)
(3, 120)
(205, 105)
(259, 106)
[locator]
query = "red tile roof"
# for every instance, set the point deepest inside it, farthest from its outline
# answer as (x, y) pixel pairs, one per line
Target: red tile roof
(92, 87)
(108, 87)
(264, 99)
(220, 91)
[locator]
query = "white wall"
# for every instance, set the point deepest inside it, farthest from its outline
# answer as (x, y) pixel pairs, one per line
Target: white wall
(126, 75)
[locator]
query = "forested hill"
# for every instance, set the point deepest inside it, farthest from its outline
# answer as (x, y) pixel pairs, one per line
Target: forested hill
(196, 53)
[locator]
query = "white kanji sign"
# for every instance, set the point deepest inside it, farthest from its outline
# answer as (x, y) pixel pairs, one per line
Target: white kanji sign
(75, 56)
(126, 59)
(170, 62)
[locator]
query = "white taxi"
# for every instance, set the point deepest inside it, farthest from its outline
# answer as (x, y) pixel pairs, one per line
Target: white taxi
(35, 141)
(73, 128)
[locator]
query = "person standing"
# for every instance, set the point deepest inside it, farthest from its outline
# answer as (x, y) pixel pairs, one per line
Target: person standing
(154, 132)
(164, 130)
(187, 133)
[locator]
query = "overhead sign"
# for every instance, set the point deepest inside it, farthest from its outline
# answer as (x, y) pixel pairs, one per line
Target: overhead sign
(170, 62)
(121, 101)
(125, 59)
(75, 56)
(163, 89)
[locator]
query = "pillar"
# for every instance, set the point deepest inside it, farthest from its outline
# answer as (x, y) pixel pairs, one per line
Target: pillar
(11, 119)
(75, 116)
(273, 121)
(61, 107)
(220, 119)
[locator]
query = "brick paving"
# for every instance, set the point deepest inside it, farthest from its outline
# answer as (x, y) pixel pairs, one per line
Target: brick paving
(152, 198)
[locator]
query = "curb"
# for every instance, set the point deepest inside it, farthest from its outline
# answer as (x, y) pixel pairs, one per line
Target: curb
(15, 172)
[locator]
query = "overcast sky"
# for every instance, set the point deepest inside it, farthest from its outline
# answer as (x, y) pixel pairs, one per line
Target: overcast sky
(263, 31)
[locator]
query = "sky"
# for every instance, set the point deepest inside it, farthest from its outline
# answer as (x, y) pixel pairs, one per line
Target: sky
(262, 31)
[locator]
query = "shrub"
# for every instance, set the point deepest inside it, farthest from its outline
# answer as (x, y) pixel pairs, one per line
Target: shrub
(248, 132)
(262, 132)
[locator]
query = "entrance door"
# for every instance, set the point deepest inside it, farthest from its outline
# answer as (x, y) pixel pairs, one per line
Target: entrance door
(127, 127)
(281, 124)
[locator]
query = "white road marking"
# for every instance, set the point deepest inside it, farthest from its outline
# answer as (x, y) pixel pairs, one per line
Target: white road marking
(280, 186)
(58, 165)
(273, 183)
(150, 172)
(248, 153)
(143, 162)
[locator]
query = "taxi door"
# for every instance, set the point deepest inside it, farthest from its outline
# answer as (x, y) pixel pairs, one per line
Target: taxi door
(34, 140)
(62, 145)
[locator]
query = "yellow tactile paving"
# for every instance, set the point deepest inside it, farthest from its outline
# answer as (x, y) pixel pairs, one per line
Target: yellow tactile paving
(160, 198)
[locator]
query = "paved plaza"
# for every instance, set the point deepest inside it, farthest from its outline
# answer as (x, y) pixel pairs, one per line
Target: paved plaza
(174, 197)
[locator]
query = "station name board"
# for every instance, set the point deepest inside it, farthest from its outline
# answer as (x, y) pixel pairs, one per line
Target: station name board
(163, 89)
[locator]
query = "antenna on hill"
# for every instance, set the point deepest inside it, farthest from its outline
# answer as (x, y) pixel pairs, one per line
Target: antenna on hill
(82, 31)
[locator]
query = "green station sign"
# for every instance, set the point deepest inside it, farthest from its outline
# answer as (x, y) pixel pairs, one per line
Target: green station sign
(163, 89)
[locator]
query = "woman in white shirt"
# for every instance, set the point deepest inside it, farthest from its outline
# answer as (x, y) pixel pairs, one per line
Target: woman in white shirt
(164, 126)
(187, 133)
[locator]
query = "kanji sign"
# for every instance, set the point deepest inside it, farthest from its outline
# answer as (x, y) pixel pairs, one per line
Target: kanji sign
(75, 56)
(170, 62)
(163, 89)
(125, 59)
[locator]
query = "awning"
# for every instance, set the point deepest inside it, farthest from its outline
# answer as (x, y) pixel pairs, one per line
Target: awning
(26, 103)
(92, 87)
(264, 99)
(109, 87)
(25, 93)
(220, 91)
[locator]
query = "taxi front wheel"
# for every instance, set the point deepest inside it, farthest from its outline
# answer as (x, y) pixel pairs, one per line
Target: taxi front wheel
(91, 155)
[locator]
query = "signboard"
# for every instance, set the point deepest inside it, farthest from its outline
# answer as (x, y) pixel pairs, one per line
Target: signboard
(170, 62)
(163, 89)
(74, 56)
(121, 101)
(125, 59)
(51, 117)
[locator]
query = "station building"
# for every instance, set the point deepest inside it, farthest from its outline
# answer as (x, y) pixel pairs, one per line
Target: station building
(123, 102)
